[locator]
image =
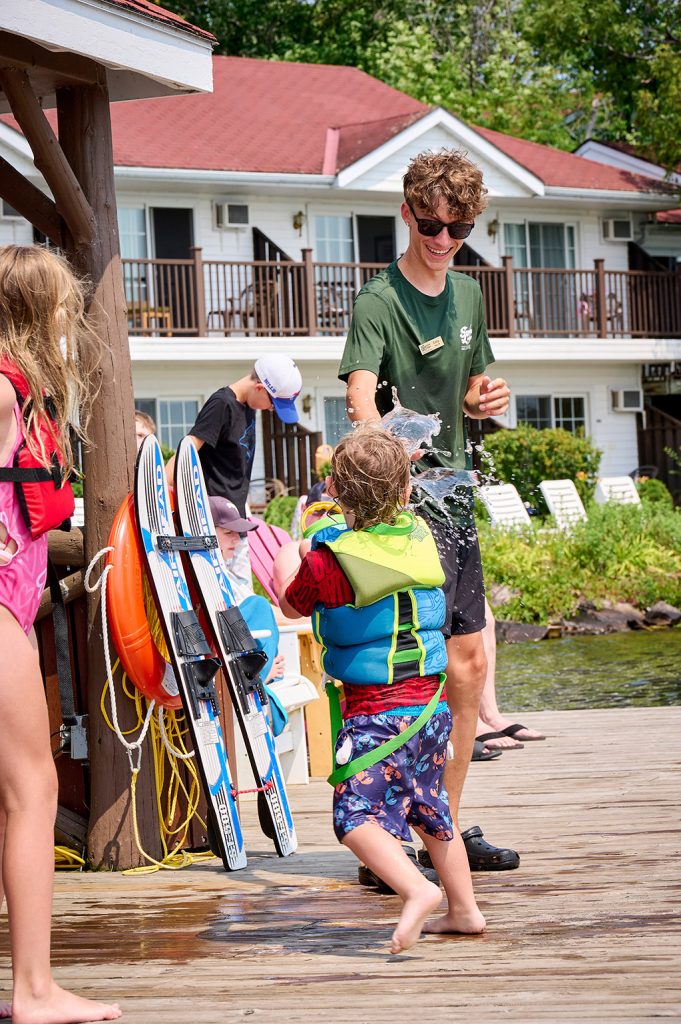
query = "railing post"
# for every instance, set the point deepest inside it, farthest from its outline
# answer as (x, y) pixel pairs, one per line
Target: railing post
(509, 294)
(199, 291)
(601, 311)
(310, 292)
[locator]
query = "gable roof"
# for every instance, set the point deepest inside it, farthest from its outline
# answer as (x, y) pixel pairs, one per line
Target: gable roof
(566, 170)
(263, 116)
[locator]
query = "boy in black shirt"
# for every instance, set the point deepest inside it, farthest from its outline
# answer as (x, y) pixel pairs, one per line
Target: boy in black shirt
(224, 432)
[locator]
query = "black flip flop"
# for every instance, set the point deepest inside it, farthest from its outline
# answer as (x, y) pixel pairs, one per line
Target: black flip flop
(480, 754)
(497, 736)
(512, 730)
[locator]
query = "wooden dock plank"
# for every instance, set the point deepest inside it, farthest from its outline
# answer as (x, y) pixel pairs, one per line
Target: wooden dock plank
(585, 930)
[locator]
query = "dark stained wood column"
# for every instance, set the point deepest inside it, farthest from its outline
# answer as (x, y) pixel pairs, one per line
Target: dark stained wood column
(85, 137)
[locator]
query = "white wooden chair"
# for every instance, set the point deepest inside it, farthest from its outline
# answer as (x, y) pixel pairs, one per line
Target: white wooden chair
(505, 506)
(563, 502)
(620, 489)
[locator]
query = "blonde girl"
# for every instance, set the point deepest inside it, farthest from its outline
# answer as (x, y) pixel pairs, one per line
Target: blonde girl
(44, 336)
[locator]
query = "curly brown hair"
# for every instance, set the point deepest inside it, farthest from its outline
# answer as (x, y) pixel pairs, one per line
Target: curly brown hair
(370, 471)
(449, 175)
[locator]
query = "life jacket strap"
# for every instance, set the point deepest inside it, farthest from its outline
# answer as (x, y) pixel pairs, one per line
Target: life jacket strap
(359, 764)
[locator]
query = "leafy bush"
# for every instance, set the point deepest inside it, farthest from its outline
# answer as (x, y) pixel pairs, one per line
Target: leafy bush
(324, 470)
(654, 492)
(620, 553)
(279, 511)
(526, 456)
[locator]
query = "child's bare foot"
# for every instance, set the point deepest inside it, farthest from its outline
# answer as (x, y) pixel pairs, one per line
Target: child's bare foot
(5, 1011)
(414, 913)
(61, 1007)
(461, 923)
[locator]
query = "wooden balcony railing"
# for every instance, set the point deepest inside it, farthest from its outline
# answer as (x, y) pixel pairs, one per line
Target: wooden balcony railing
(267, 298)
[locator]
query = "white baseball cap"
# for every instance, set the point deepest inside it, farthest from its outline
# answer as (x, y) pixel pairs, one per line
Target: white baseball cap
(281, 377)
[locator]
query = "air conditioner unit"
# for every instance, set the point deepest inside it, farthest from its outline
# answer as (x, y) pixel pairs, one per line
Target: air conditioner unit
(626, 400)
(230, 215)
(617, 229)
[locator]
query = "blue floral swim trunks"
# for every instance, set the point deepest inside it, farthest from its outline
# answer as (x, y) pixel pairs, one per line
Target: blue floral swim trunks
(407, 788)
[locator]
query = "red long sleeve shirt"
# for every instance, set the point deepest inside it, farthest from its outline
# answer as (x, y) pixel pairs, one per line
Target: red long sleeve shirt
(320, 580)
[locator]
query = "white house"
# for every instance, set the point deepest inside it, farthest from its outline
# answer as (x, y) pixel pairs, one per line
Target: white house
(288, 179)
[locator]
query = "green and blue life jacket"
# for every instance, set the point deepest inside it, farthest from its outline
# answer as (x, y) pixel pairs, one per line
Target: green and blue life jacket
(393, 629)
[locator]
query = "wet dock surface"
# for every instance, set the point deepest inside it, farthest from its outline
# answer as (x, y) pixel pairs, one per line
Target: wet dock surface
(587, 929)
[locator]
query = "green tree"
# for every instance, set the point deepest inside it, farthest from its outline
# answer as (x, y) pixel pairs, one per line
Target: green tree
(555, 73)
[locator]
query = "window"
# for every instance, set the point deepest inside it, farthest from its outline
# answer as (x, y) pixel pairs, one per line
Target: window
(569, 413)
(535, 410)
(174, 417)
(544, 411)
(132, 228)
(334, 241)
(336, 424)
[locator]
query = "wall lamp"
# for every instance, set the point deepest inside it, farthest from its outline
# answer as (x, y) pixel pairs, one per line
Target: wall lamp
(306, 404)
(493, 228)
(298, 221)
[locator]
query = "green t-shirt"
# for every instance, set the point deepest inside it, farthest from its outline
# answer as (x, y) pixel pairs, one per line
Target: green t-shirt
(391, 320)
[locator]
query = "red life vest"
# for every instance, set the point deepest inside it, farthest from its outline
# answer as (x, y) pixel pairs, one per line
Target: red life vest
(45, 496)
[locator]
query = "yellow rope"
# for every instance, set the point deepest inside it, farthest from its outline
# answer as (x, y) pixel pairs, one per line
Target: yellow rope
(166, 769)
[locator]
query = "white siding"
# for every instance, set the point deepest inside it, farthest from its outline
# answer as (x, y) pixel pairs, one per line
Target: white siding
(387, 175)
(613, 432)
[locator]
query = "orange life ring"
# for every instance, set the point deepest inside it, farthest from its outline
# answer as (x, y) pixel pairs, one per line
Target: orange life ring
(129, 606)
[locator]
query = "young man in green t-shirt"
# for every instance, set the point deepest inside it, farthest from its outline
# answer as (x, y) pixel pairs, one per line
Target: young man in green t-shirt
(420, 327)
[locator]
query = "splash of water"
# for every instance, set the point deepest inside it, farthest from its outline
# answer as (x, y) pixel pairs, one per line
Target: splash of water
(414, 429)
(441, 483)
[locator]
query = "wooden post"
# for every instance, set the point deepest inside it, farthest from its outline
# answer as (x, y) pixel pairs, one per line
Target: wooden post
(199, 292)
(310, 292)
(509, 296)
(85, 136)
(601, 311)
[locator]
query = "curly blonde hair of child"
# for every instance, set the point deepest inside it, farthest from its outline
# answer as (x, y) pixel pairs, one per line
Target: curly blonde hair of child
(370, 471)
(45, 333)
(449, 175)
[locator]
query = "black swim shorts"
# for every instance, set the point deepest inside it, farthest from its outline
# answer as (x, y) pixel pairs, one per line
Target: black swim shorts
(464, 586)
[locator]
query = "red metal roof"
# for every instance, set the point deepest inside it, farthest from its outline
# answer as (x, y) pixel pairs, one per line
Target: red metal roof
(148, 9)
(565, 170)
(261, 116)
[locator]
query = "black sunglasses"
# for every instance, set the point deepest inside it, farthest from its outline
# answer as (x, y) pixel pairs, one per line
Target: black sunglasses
(430, 228)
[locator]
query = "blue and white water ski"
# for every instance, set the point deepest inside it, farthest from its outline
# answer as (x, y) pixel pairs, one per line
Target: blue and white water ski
(192, 657)
(235, 645)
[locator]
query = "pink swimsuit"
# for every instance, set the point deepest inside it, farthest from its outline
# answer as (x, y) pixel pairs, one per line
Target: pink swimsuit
(22, 579)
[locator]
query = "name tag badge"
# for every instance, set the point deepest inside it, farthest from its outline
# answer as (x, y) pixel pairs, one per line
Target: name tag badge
(431, 346)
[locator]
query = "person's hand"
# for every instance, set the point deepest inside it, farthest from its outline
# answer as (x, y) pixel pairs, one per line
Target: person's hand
(304, 547)
(494, 396)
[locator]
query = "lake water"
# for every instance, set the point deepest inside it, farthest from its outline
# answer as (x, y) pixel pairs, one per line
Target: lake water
(616, 670)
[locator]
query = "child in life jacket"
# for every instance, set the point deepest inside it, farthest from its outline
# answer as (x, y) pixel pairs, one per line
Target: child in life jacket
(43, 337)
(371, 581)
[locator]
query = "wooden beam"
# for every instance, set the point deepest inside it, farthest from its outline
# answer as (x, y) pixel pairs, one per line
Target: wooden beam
(85, 134)
(31, 203)
(17, 52)
(48, 156)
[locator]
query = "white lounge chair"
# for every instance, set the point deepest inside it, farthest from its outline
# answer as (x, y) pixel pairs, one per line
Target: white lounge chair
(620, 489)
(505, 506)
(563, 502)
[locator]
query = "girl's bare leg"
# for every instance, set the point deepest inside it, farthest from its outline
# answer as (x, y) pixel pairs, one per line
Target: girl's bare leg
(28, 799)
(450, 860)
(384, 855)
